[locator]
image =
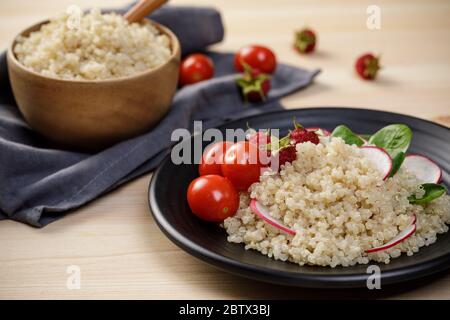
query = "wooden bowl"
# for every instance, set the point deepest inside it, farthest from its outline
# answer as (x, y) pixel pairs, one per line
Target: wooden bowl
(91, 115)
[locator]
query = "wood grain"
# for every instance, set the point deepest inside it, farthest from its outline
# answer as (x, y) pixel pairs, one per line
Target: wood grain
(122, 253)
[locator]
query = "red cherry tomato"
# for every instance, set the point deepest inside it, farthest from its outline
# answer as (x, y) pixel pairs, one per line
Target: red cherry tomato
(257, 57)
(242, 165)
(213, 198)
(212, 158)
(195, 68)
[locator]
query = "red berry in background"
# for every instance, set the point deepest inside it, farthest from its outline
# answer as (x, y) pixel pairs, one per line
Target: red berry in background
(195, 68)
(305, 40)
(257, 57)
(287, 154)
(254, 85)
(300, 135)
(367, 66)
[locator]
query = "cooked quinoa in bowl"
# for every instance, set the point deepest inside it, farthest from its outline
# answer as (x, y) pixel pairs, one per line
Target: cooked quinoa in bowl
(339, 206)
(100, 46)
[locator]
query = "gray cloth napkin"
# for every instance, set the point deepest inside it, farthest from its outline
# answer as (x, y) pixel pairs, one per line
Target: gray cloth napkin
(39, 184)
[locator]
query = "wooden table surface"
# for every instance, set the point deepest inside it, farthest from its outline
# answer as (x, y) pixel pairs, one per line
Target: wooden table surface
(114, 240)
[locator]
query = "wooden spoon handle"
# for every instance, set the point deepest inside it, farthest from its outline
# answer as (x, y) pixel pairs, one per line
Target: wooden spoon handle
(142, 9)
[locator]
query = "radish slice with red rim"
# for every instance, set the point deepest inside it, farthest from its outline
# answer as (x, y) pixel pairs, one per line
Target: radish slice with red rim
(263, 212)
(379, 158)
(423, 168)
(325, 132)
(402, 236)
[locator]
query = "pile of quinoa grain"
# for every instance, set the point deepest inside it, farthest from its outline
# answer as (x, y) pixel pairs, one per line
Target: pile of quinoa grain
(339, 205)
(101, 46)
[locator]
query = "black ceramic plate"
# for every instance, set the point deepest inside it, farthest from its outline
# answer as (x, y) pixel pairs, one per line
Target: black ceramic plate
(207, 241)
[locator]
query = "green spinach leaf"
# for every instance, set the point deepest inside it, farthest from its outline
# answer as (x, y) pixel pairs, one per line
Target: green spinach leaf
(394, 138)
(397, 162)
(432, 192)
(347, 135)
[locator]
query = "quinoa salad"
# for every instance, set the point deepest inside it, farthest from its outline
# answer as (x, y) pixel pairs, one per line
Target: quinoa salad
(336, 199)
(100, 46)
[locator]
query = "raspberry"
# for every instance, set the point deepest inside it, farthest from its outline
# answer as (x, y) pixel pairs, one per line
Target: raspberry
(300, 135)
(313, 137)
(287, 154)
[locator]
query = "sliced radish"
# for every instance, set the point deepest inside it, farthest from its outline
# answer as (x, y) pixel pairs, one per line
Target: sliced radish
(379, 158)
(402, 236)
(423, 168)
(318, 130)
(263, 212)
